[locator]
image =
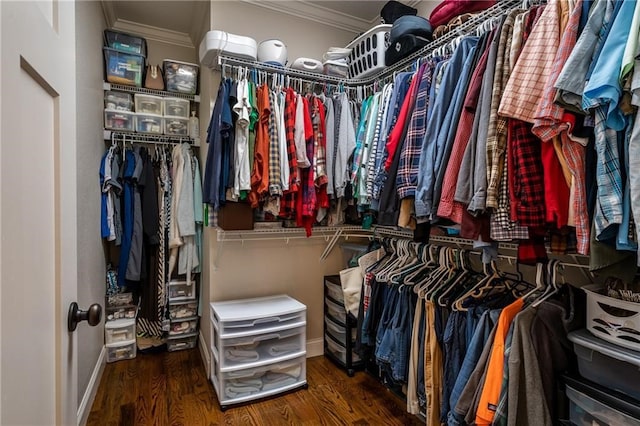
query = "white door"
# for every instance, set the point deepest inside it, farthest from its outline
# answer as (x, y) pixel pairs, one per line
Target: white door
(38, 383)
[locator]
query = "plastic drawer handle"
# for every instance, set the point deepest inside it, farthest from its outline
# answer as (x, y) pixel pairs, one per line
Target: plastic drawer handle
(267, 337)
(263, 320)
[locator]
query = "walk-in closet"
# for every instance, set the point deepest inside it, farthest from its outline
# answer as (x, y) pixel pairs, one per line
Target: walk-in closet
(320, 212)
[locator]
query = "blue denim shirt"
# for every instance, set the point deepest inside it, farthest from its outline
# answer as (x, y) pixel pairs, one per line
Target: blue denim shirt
(430, 148)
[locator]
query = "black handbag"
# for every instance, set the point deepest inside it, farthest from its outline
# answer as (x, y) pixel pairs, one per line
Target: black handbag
(403, 47)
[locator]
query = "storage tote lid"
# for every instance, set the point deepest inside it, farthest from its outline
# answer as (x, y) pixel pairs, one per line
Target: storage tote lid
(587, 340)
(258, 307)
(120, 323)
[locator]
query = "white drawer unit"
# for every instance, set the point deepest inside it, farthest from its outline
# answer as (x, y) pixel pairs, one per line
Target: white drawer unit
(258, 348)
(121, 330)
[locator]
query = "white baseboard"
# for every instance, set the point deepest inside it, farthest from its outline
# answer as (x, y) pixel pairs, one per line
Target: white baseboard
(315, 347)
(92, 388)
(204, 353)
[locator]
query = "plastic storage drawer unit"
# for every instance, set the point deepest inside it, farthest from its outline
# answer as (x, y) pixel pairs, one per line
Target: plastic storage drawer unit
(334, 288)
(119, 120)
(176, 107)
(338, 332)
(120, 351)
(123, 330)
(148, 123)
(339, 351)
(123, 68)
(181, 77)
(606, 364)
(336, 312)
(148, 104)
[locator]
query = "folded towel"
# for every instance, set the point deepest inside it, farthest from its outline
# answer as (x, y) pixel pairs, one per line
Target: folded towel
(233, 391)
(276, 381)
(283, 348)
(293, 371)
(233, 354)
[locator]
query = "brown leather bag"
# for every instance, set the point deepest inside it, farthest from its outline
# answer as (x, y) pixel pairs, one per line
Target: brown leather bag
(154, 79)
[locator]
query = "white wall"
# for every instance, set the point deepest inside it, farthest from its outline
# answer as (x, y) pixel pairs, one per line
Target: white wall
(303, 38)
(157, 51)
(91, 259)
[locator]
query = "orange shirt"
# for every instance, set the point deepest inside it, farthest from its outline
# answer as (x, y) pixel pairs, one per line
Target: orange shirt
(493, 383)
(260, 174)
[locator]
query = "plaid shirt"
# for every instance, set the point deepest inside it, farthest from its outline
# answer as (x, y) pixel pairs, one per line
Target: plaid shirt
(288, 201)
(497, 131)
(306, 204)
(527, 81)
(361, 134)
(360, 176)
(408, 168)
(548, 117)
(274, 148)
(502, 228)
(527, 175)
(575, 155)
(608, 175)
(320, 145)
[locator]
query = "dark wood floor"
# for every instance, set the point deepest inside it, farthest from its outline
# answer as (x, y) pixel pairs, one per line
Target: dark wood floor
(171, 388)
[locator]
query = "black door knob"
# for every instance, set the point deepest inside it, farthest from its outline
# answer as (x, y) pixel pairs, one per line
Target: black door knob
(91, 315)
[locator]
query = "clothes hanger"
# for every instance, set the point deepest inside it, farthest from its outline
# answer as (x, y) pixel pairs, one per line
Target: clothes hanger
(403, 256)
(423, 285)
(415, 262)
(554, 288)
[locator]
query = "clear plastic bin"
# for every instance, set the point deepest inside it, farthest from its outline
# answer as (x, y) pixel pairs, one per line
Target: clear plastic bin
(334, 290)
(121, 351)
(338, 332)
(121, 312)
(148, 104)
(336, 312)
(180, 310)
(125, 42)
(176, 126)
(181, 290)
(182, 327)
(123, 330)
(586, 411)
(607, 364)
(123, 68)
(118, 101)
(182, 342)
(148, 123)
(119, 120)
(176, 107)
(181, 77)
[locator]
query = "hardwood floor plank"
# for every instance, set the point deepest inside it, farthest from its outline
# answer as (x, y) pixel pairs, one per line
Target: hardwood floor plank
(172, 389)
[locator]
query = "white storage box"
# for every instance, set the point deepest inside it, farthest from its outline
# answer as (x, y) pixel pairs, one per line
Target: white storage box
(119, 120)
(611, 319)
(176, 126)
(606, 364)
(337, 312)
(180, 310)
(149, 123)
(176, 107)
(181, 290)
(118, 101)
(121, 312)
(587, 411)
(120, 351)
(217, 43)
(148, 104)
(184, 326)
(339, 351)
(182, 342)
(122, 330)
(367, 54)
(336, 69)
(248, 384)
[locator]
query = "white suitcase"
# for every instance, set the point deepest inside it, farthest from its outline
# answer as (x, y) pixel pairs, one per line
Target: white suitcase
(217, 43)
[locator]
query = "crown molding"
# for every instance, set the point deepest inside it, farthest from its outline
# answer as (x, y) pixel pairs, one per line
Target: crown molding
(154, 33)
(316, 13)
(109, 13)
